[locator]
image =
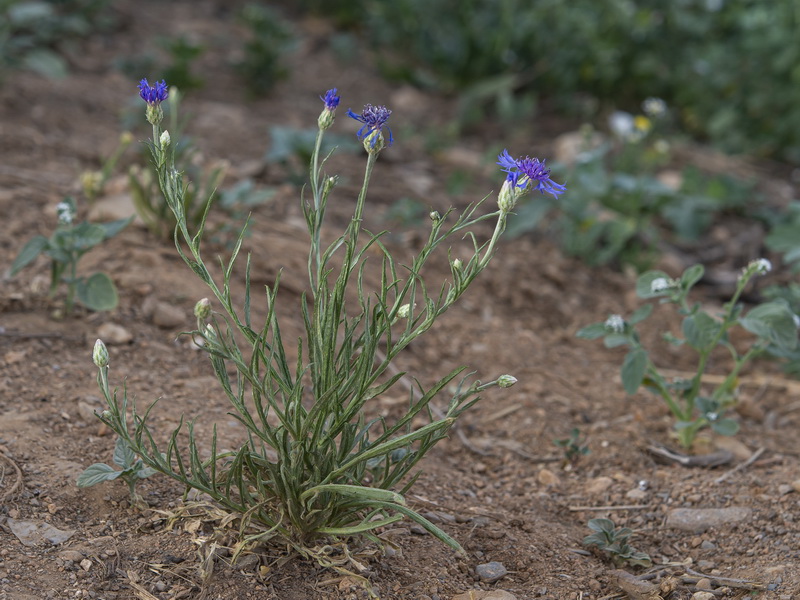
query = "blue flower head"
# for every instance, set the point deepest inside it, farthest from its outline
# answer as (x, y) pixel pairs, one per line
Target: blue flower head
(330, 99)
(155, 94)
(373, 118)
(326, 117)
(527, 170)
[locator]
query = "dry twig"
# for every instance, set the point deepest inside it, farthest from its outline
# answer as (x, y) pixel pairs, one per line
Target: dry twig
(740, 466)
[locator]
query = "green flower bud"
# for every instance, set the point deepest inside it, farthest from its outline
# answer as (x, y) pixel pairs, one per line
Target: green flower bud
(404, 311)
(100, 354)
(202, 309)
(435, 216)
(507, 198)
(325, 120)
(506, 381)
(164, 140)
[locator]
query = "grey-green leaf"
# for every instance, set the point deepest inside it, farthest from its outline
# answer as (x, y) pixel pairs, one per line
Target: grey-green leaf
(725, 427)
(633, 370)
(97, 473)
(123, 455)
(773, 321)
(593, 331)
(701, 330)
(645, 281)
(28, 253)
(97, 292)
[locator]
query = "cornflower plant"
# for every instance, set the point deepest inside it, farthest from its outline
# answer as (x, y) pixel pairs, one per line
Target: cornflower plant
(693, 407)
(65, 247)
(313, 465)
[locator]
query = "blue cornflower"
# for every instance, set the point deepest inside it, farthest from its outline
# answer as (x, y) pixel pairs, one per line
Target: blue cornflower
(153, 95)
(374, 118)
(330, 99)
(524, 170)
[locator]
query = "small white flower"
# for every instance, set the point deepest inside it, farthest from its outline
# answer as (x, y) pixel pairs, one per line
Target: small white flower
(660, 284)
(654, 107)
(712, 416)
(65, 214)
(762, 266)
(621, 124)
(615, 323)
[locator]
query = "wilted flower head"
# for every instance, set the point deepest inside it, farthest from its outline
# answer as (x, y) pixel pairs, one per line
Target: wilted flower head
(373, 118)
(529, 173)
(615, 323)
(153, 94)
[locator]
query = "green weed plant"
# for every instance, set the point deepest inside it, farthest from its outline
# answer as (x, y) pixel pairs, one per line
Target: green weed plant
(694, 406)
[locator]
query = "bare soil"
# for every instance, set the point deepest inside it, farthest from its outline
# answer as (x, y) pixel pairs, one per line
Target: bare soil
(499, 485)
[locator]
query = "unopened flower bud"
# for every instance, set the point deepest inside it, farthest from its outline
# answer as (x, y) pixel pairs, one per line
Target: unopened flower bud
(202, 309)
(106, 414)
(457, 264)
(507, 198)
(100, 354)
(404, 311)
(164, 140)
(434, 216)
(506, 381)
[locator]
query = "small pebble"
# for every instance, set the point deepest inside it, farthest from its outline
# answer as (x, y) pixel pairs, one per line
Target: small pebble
(703, 584)
(113, 334)
(86, 564)
(784, 489)
(636, 494)
(703, 596)
(700, 519)
(706, 545)
(796, 485)
(598, 485)
(548, 478)
(491, 571)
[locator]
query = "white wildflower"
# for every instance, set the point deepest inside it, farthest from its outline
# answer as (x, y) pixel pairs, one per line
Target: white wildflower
(660, 284)
(615, 323)
(65, 213)
(654, 107)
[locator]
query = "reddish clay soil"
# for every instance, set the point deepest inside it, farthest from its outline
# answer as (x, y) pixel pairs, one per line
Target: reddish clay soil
(498, 485)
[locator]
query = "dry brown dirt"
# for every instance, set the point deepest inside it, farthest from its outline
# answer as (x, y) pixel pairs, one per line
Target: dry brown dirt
(498, 485)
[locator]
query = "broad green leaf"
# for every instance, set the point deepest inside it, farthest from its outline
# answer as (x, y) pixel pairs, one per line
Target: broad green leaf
(645, 281)
(692, 275)
(725, 426)
(28, 253)
(701, 330)
(774, 322)
(87, 235)
(633, 370)
(123, 455)
(97, 292)
(613, 340)
(112, 228)
(97, 473)
(593, 331)
(601, 525)
(640, 314)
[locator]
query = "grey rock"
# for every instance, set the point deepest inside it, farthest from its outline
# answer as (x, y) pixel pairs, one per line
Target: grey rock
(491, 571)
(700, 519)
